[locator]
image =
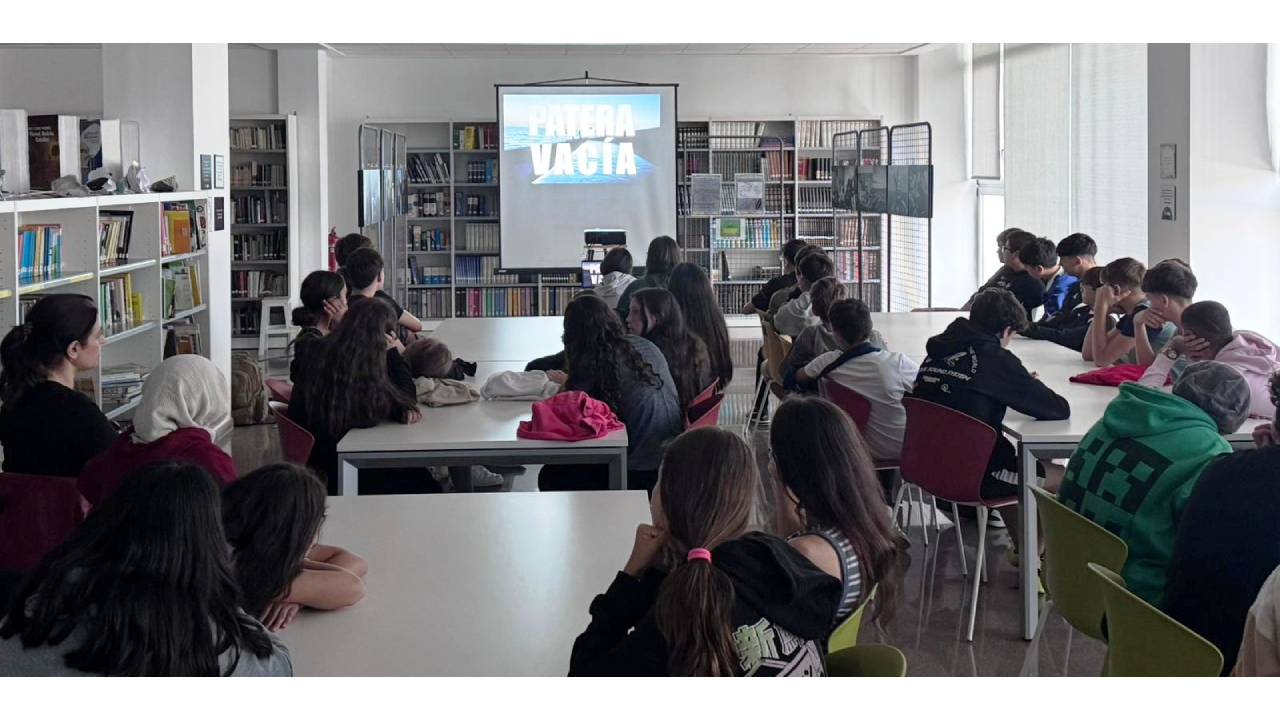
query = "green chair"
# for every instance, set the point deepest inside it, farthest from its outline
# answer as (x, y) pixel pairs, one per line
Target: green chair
(867, 661)
(846, 635)
(1072, 541)
(1144, 642)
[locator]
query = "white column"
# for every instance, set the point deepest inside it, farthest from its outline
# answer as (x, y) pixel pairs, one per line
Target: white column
(304, 90)
(1168, 122)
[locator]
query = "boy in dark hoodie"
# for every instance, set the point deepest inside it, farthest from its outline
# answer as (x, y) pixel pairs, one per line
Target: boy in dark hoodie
(1069, 326)
(778, 606)
(969, 370)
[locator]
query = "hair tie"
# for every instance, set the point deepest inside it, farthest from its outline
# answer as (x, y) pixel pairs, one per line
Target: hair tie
(699, 554)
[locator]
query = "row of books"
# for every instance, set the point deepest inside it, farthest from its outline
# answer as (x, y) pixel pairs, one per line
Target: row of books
(429, 204)
(856, 267)
(850, 229)
(425, 238)
(245, 320)
(39, 253)
(555, 299)
(814, 169)
(692, 241)
(257, 210)
(478, 270)
(561, 278)
(427, 274)
(815, 228)
(257, 284)
(734, 127)
(747, 234)
(121, 384)
(114, 232)
(482, 238)
(270, 137)
(496, 302)
(818, 133)
(256, 173)
(424, 169)
(259, 246)
(476, 137)
(183, 338)
(428, 303)
(482, 171)
(182, 228)
(180, 283)
(465, 205)
(815, 199)
(119, 307)
(691, 138)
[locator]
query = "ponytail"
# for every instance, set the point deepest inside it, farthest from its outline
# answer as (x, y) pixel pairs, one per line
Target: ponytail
(694, 614)
(30, 350)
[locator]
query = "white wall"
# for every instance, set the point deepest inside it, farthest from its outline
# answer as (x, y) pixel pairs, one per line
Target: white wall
(944, 103)
(209, 89)
(254, 81)
(52, 80)
(716, 86)
(1235, 213)
(1168, 121)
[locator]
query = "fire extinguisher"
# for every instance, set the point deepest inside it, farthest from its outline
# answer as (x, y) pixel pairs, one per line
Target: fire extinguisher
(333, 245)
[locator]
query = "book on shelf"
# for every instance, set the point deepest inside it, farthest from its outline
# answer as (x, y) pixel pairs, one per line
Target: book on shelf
(39, 253)
(482, 171)
(53, 148)
(428, 303)
(482, 238)
(269, 137)
(183, 338)
(255, 284)
(181, 287)
(429, 204)
(269, 208)
(427, 274)
(100, 148)
(115, 228)
(262, 246)
(425, 238)
(252, 174)
(737, 128)
(245, 320)
(115, 305)
(433, 170)
(14, 152)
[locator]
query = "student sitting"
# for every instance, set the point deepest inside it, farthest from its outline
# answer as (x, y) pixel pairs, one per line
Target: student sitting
(343, 252)
(1069, 328)
(1169, 287)
(830, 505)
(1008, 243)
(627, 373)
(615, 275)
(272, 518)
(787, 294)
(656, 316)
(1076, 252)
(357, 379)
(662, 257)
(47, 427)
(760, 301)
(1122, 289)
(702, 596)
(185, 407)
(1039, 259)
(792, 318)
(1260, 648)
(430, 358)
(1207, 335)
(883, 377)
(692, 290)
(1135, 469)
(816, 339)
(324, 302)
(143, 586)
(1228, 541)
(969, 369)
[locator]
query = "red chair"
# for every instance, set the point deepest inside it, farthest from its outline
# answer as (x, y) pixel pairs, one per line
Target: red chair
(704, 413)
(705, 394)
(37, 512)
(281, 390)
(850, 401)
(945, 453)
(295, 441)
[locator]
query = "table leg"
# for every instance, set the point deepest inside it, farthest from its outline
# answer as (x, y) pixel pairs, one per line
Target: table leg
(1028, 541)
(348, 478)
(618, 471)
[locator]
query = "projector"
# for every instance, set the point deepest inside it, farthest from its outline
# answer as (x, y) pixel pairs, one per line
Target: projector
(604, 237)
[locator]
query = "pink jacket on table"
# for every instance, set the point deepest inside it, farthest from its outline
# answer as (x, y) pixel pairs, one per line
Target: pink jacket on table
(569, 416)
(1253, 355)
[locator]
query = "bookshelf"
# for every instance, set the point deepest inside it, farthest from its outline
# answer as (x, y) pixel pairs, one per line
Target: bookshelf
(264, 220)
(136, 333)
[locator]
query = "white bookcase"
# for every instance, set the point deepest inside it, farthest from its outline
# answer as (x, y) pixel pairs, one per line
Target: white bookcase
(266, 244)
(143, 343)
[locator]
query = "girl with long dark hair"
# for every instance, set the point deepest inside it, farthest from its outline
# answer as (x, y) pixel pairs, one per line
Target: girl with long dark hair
(830, 503)
(143, 586)
(357, 378)
(47, 427)
(324, 303)
(700, 595)
(703, 316)
(272, 518)
(629, 374)
(659, 261)
(656, 316)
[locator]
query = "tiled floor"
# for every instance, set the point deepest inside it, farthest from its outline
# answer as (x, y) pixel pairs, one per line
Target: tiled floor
(932, 608)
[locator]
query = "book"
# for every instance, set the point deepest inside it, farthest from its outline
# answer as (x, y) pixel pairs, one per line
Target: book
(114, 231)
(100, 148)
(179, 224)
(53, 148)
(187, 339)
(14, 152)
(39, 253)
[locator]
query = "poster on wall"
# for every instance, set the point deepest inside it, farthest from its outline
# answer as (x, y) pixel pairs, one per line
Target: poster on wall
(749, 189)
(705, 192)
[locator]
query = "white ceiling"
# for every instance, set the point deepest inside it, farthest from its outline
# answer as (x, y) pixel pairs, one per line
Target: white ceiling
(508, 50)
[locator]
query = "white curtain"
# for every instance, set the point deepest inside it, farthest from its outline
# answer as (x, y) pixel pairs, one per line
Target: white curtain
(985, 82)
(1037, 121)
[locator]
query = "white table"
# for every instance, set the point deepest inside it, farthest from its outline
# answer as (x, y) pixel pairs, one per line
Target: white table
(485, 585)
(502, 339)
(1035, 439)
(477, 433)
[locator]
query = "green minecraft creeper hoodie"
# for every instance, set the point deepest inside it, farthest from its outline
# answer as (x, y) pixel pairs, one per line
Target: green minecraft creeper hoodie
(1134, 472)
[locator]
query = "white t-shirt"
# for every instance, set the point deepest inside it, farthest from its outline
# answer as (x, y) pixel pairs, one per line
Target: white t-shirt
(883, 378)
